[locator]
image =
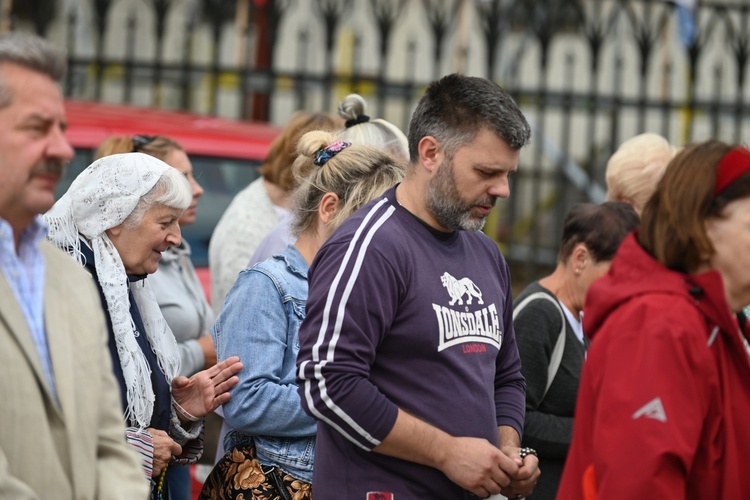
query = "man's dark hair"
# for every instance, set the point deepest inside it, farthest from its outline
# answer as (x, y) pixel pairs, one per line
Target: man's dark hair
(602, 228)
(456, 107)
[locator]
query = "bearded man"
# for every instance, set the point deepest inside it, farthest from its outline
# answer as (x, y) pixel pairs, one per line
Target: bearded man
(407, 354)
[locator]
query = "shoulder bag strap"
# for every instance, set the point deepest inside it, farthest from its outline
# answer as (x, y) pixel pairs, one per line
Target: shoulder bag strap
(557, 351)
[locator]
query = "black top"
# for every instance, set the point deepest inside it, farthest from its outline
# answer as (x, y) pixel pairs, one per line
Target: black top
(548, 425)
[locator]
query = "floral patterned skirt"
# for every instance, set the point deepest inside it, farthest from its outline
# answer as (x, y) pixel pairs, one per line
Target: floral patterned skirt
(239, 476)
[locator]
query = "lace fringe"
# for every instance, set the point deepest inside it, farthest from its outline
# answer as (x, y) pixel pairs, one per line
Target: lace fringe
(63, 232)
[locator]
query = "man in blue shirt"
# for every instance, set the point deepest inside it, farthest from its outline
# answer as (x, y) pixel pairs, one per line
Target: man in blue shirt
(407, 353)
(62, 435)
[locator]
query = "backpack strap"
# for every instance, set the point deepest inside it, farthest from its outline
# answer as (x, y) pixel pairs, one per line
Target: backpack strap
(557, 351)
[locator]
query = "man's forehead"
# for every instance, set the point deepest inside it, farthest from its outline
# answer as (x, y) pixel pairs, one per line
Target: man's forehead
(21, 80)
(39, 101)
(490, 151)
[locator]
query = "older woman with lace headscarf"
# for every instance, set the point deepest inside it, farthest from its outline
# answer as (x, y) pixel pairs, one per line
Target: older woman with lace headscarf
(116, 219)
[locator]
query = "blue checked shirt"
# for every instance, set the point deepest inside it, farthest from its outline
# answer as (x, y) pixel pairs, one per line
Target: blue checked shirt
(25, 274)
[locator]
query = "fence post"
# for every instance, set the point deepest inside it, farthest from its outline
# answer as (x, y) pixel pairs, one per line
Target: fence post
(101, 9)
(71, 49)
(493, 19)
(440, 18)
(185, 72)
(129, 63)
(303, 41)
(741, 48)
(595, 33)
(6, 7)
(385, 13)
(267, 15)
(161, 8)
(331, 12)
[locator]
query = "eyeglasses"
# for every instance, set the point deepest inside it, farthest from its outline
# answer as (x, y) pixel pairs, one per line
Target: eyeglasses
(141, 140)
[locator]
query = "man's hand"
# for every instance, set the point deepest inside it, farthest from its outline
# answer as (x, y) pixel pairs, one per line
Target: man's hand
(475, 464)
(523, 482)
(478, 466)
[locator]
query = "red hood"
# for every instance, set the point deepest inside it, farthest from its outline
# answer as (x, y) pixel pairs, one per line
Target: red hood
(635, 272)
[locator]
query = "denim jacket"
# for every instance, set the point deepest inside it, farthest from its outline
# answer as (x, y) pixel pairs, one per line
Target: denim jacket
(259, 322)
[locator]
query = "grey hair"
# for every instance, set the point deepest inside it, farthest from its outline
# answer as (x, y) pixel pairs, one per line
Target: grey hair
(171, 190)
(31, 52)
(456, 107)
(377, 133)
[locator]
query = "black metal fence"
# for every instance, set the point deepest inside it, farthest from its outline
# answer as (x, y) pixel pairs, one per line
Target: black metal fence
(588, 74)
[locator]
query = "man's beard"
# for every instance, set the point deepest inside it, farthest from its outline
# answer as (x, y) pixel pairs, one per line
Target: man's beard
(445, 204)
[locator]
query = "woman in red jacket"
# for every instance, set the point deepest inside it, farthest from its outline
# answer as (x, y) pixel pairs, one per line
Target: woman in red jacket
(665, 392)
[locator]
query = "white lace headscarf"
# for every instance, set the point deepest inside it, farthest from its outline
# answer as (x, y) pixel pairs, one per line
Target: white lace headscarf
(100, 198)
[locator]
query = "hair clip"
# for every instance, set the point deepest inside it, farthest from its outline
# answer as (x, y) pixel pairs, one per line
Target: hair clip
(141, 140)
(326, 153)
(356, 121)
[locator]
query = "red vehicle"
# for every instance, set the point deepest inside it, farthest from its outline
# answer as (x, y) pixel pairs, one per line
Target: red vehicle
(224, 153)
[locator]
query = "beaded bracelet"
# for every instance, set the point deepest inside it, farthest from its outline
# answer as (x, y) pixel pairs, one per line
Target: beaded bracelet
(525, 452)
(184, 413)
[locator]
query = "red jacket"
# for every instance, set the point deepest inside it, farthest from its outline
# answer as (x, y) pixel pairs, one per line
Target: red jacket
(663, 408)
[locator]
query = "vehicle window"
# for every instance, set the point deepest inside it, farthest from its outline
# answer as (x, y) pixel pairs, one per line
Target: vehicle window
(221, 178)
(81, 160)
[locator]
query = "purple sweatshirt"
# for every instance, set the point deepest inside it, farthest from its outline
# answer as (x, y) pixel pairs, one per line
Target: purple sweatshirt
(399, 315)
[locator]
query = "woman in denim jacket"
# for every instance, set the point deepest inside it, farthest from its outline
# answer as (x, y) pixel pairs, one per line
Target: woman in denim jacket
(271, 449)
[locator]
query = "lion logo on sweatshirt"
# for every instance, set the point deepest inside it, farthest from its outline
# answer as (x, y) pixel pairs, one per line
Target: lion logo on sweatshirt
(458, 288)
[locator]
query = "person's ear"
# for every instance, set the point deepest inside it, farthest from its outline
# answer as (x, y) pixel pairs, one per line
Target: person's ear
(329, 207)
(431, 153)
(115, 231)
(580, 258)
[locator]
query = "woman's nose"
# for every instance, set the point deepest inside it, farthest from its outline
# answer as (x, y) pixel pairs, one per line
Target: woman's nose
(174, 236)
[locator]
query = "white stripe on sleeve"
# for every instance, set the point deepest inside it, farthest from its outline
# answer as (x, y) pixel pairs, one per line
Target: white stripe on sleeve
(340, 314)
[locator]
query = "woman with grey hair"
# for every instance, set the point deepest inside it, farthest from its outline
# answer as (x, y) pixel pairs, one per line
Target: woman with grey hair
(116, 219)
(636, 168)
(377, 133)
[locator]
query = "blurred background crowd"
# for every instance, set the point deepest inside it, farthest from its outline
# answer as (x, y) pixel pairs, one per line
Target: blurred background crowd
(588, 74)
(248, 99)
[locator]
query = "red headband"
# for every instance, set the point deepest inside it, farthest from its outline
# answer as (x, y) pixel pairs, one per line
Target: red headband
(734, 164)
